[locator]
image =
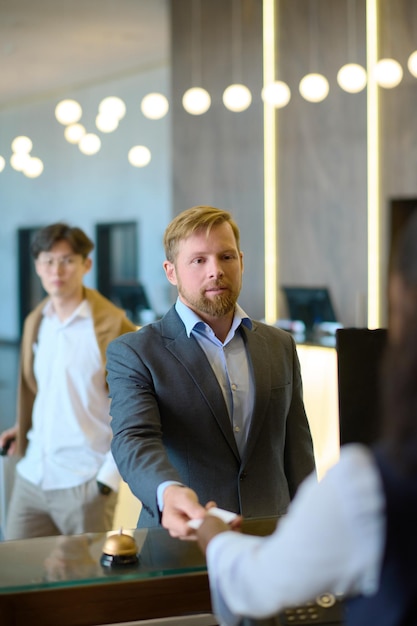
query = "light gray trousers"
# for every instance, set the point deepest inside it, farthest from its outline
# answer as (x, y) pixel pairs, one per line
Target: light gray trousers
(34, 512)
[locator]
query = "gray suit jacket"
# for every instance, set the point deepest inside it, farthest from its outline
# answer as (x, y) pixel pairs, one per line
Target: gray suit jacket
(170, 421)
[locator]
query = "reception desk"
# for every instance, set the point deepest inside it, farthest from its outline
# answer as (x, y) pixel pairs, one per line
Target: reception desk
(321, 399)
(58, 581)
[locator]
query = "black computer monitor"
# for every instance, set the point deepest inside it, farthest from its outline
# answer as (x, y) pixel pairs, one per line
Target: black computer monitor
(132, 297)
(311, 305)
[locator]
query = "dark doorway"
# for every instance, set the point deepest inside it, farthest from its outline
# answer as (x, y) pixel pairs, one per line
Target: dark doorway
(31, 291)
(117, 267)
(116, 254)
(401, 211)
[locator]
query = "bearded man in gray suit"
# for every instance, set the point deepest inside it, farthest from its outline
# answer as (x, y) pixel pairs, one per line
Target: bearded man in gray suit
(206, 403)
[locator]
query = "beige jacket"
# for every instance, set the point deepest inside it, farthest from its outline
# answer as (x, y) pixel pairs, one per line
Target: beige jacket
(109, 322)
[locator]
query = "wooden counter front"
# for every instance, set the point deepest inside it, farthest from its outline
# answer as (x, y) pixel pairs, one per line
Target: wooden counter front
(58, 581)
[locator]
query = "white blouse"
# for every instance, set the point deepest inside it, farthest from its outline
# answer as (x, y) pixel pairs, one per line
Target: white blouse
(331, 540)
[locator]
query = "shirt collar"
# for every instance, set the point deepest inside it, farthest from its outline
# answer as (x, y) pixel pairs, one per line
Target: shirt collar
(191, 320)
(82, 310)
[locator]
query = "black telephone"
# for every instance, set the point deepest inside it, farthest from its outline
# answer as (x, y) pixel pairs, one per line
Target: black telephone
(325, 609)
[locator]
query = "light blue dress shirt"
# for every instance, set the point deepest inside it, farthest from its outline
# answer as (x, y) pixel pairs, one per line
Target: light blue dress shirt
(232, 368)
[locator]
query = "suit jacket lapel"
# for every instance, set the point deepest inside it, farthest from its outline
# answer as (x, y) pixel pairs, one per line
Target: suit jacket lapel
(258, 352)
(194, 360)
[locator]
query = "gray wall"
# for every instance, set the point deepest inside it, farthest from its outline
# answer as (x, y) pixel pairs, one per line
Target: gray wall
(322, 162)
(218, 157)
(322, 148)
(85, 190)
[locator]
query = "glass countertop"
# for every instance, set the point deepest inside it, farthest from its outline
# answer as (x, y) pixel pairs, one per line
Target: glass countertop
(68, 561)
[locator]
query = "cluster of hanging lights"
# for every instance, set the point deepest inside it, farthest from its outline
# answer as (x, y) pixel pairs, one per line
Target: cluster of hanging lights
(111, 111)
(22, 160)
(313, 87)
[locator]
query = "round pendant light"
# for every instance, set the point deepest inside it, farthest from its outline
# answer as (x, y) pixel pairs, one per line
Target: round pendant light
(352, 78)
(314, 87)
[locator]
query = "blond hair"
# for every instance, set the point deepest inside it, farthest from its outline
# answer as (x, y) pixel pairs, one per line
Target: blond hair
(197, 218)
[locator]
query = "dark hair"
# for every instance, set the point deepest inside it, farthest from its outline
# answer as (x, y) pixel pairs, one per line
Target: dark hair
(404, 260)
(399, 368)
(399, 377)
(47, 237)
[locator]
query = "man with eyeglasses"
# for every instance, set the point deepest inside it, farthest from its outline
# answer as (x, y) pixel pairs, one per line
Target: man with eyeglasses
(66, 481)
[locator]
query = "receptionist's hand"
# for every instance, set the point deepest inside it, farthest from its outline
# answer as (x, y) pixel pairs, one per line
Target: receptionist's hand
(212, 526)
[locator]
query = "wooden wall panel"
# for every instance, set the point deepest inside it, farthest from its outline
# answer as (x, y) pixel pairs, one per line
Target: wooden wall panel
(322, 159)
(218, 157)
(322, 148)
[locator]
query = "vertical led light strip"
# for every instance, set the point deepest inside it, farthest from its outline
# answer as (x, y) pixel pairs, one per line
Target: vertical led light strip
(270, 164)
(374, 216)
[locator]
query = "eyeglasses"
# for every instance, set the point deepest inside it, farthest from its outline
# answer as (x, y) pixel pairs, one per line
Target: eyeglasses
(64, 261)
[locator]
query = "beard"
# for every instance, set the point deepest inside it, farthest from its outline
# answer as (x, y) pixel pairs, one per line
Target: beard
(218, 306)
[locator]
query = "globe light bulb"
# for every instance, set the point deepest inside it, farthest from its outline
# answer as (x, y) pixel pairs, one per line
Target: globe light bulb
(388, 73)
(89, 144)
(139, 156)
(196, 101)
(33, 167)
(412, 63)
(21, 144)
(68, 112)
(74, 132)
(277, 94)
(352, 78)
(113, 107)
(154, 106)
(314, 87)
(18, 160)
(106, 122)
(237, 98)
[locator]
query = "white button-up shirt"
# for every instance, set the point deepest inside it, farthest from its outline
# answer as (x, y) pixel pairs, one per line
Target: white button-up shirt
(69, 442)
